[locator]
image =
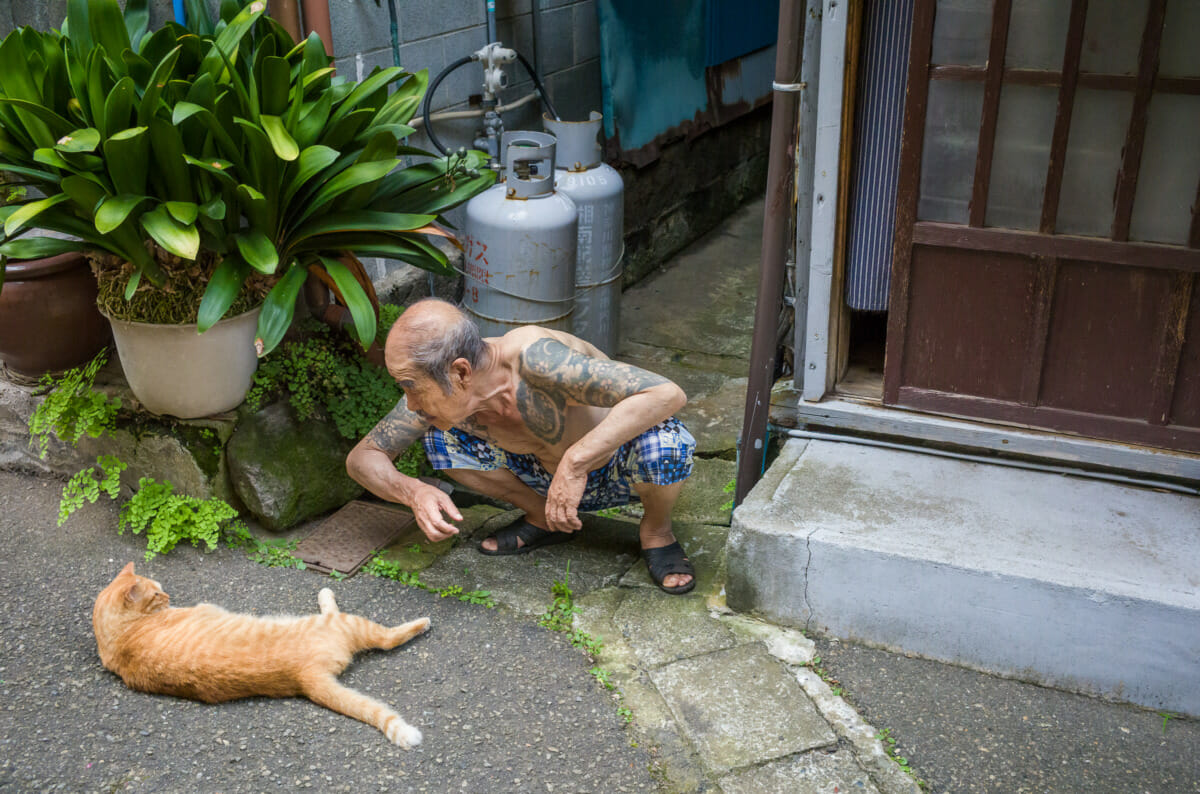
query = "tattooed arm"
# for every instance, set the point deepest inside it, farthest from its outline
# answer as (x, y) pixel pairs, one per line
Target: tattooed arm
(370, 463)
(554, 376)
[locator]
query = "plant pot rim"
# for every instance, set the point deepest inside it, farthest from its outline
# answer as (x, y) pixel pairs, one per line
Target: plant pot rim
(26, 269)
(144, 324)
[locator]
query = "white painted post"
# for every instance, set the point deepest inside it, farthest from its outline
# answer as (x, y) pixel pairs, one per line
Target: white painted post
(810, 76)
(825, 199)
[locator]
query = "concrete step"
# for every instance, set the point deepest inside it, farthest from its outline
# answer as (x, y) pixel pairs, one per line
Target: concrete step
(1069, 582)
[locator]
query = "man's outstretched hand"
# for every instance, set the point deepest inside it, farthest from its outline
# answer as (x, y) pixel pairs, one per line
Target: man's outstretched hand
(430, 506)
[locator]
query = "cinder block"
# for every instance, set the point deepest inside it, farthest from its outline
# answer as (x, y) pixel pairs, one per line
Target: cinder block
(576, 91)
(420, 19)
(361, 26)
(587, 32)
(557, 42)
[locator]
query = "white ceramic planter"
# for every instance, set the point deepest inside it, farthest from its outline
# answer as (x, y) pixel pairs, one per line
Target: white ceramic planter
(174, 370)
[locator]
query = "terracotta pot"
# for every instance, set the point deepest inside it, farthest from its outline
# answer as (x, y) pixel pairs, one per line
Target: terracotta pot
(48, 316)
(173, 369)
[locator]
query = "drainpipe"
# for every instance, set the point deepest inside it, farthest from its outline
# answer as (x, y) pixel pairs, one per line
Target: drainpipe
(753, 444)
(316, 18)
(287, 14)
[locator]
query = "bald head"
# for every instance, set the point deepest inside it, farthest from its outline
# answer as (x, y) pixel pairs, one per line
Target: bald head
(430, 336)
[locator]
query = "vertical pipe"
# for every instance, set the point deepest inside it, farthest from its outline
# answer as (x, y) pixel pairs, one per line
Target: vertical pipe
(774, 248)
(287, 14)
(316, 19)
(491, 20)
(180, 14)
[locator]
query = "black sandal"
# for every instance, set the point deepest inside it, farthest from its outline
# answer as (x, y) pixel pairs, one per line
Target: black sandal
(662, 562)
(534, 537)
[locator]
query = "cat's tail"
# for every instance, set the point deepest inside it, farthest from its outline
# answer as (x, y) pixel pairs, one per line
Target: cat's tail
(325, 690)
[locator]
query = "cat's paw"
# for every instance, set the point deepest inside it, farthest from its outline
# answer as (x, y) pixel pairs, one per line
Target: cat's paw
(401, 733)
(327, 603)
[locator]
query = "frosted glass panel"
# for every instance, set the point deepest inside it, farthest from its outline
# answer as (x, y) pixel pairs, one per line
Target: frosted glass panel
(961, 31)
(1180, 55)
(1037, 34)
(1099, 122)
(951, 141)
(1170, 171)
(1113, 36)
(1022, 153)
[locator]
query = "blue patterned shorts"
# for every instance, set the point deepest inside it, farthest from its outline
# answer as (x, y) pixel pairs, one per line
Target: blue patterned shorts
(662, 455)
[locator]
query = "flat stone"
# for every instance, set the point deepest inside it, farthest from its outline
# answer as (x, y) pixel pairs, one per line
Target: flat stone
(704, 498)
(740, 707)
(603, 551)
(663, 628)
(817, 772)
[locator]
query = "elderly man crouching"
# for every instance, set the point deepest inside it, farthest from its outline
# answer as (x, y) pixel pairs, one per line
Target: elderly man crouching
(538, 418)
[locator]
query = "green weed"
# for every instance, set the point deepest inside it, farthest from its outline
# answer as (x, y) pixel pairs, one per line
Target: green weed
(386, 569)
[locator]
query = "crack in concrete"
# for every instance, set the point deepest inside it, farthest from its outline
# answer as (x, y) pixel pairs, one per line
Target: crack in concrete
(807, 563)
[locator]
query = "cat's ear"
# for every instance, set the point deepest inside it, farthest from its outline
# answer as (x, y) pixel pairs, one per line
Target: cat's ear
(134, 593)
(128, 569)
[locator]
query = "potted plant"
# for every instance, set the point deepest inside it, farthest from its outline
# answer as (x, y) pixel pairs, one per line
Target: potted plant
(209, 174)
(48, 316)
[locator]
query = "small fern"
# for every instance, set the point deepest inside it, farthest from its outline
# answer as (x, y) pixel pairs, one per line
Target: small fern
(72, 408)
(168, 518)
(86, 486)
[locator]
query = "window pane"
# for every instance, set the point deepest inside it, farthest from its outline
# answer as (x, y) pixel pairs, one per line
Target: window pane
(1180, 57)
(951, 141)
(960, 32)
(1099, 122)
(1113, 36)
(1170, 171)
(1022, 153)
(1037, 34)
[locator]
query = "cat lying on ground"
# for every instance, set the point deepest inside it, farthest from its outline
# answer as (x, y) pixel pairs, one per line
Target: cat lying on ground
(206, 653)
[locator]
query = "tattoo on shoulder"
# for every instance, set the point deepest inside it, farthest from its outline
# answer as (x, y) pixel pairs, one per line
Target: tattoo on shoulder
(558, 369)
(399, 429)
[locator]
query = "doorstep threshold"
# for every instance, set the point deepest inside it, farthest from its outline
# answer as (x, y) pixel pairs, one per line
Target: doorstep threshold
(840, 415)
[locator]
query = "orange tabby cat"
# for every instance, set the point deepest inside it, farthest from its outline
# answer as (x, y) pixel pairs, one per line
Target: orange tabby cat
(205, 653)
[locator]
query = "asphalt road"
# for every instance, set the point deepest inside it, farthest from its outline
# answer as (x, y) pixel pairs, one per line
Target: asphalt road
(968, 733)
(504, 705)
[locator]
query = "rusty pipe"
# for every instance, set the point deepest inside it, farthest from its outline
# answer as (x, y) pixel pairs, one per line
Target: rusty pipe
(752, 448)
(316, 19)
(287, 14)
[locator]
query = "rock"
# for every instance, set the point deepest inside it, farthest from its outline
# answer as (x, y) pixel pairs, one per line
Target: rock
(285, 471)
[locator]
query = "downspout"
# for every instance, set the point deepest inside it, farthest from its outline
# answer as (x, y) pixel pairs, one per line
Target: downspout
(287, 14)
(316, 19)
(753, 444)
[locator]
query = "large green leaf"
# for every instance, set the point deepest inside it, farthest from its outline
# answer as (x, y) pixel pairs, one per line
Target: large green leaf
(273, 86)
(183, 211)
(365, 89)
(108, 27)
(124, 241)
(220, 132)
(119, 106)
(221, 292)
(183, 240)
(352, 177)
(137, 20)
(43, 125)
(365, 221)
(167, 146)
(76, 25)
(278, 308)
(115, 210)
(312, 121)
(28, 212)
(128, 154)
(284, 145)
(356, 299)
(83, 140)
(258, 250)
(312, 161)
(39, 247)
(218, 168)
(228, 40)
(148, 108)
(198, 17)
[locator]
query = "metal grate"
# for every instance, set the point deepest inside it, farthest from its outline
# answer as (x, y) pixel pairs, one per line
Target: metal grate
(348, 538)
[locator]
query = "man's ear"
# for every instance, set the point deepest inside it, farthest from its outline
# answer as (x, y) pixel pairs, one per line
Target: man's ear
(460, 372)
